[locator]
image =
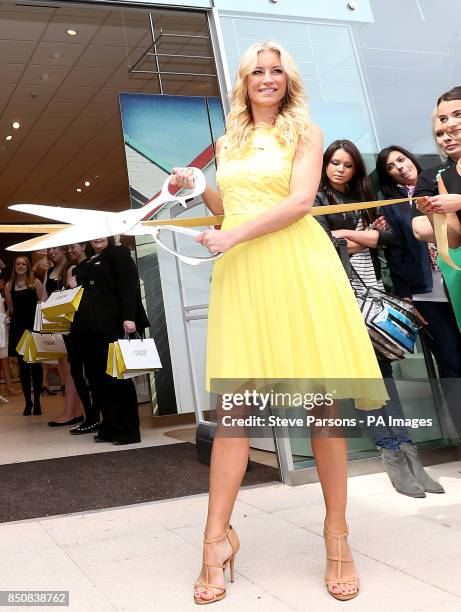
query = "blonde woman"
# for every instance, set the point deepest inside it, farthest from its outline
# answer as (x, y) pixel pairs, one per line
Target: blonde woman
(281, 305)
(22, 292)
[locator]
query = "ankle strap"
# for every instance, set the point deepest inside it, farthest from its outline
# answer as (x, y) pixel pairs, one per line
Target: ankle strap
(336, 535)
(219, 538)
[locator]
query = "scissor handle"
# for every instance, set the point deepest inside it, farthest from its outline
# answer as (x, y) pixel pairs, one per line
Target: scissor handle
(192, 261)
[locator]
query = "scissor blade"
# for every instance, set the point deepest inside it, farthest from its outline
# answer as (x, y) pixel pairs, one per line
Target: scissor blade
(73, 216)
(70, 235)
(44, 228)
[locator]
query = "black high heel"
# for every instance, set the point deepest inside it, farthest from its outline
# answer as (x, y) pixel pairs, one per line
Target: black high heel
(47, 391)
(27, 410)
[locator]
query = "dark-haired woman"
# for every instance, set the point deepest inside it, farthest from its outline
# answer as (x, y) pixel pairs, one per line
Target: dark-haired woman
(110, 307)
(22, 292)
(414, 270)
(344, 180)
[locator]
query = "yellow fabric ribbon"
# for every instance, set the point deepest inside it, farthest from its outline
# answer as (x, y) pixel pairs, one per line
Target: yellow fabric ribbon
(440, 223)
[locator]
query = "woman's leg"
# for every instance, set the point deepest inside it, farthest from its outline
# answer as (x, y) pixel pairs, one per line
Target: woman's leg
(76, 348)
(5, 365)
(24, 377)
(73, 405)
(331, 458)
(229, 459)
(37, 382)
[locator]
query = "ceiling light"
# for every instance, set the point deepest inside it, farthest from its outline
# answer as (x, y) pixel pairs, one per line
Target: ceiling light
(57, 55)
(87, 183)
(45, 76)
(8, 138)
(72, 32)
(16, 125)
(79, 190)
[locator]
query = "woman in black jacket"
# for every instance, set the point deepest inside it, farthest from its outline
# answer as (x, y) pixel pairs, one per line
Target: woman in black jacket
(344, 180)
(414, 270)
(110, 308)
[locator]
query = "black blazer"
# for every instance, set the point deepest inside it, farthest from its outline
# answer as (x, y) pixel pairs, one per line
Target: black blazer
(111, 294)
(408, 258)
(427, 180)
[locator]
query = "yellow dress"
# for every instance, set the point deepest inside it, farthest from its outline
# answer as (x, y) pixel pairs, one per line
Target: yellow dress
(281, 305)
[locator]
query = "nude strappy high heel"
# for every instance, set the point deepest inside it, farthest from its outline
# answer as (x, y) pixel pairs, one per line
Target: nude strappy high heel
(338, 580)
(233, 539)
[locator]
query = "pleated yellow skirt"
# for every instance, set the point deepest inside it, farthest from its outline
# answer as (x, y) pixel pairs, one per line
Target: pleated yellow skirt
(281, 307)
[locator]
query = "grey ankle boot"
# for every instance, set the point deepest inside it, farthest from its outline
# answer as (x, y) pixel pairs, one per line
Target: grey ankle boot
(416, 467)
(396, 465)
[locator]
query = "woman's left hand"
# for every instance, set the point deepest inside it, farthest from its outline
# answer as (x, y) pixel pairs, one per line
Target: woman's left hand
(129, 327)
(424, 205)
(445, 203)
(341, 233)
(217, 241)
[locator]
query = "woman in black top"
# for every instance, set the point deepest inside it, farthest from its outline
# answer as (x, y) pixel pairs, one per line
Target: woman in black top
(22, 292)
(344, 180)
(110, 307)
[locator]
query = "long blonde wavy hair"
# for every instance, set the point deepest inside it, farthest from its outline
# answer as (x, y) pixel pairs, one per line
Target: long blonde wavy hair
(293, 121)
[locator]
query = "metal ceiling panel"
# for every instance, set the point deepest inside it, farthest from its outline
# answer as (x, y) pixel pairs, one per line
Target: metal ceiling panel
(16, 51)
(66, 54)
(33, 94)
(44, 75)
(75, 94)
(102, 56)
(56, 30)
(19, 26)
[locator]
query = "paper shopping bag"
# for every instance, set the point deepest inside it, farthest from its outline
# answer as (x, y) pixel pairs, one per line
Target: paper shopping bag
(47, 346)
(111, 367)
(61, 324)
(137, 355)
(62, 303)
(23, 342)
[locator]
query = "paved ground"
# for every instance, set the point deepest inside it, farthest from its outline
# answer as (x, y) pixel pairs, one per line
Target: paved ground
(146, 557)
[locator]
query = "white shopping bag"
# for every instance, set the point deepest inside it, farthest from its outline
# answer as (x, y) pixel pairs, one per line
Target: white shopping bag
(115, 361)
(62, 303)
(47, 346)
(139, 355)
(60, 324)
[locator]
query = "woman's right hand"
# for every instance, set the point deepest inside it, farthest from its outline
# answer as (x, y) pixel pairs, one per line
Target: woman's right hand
(182, 177)
(424, 205)
(72, 282)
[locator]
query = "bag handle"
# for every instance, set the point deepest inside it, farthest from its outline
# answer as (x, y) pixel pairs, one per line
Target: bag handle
(357, 275)
(192, 261)
(136, 333)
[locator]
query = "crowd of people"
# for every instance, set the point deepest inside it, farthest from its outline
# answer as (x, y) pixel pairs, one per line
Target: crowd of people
(282, 306)
(281, 303)
(110, 309)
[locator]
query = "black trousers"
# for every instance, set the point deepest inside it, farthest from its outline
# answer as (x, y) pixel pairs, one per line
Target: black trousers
(114, 399)
(445, 345)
